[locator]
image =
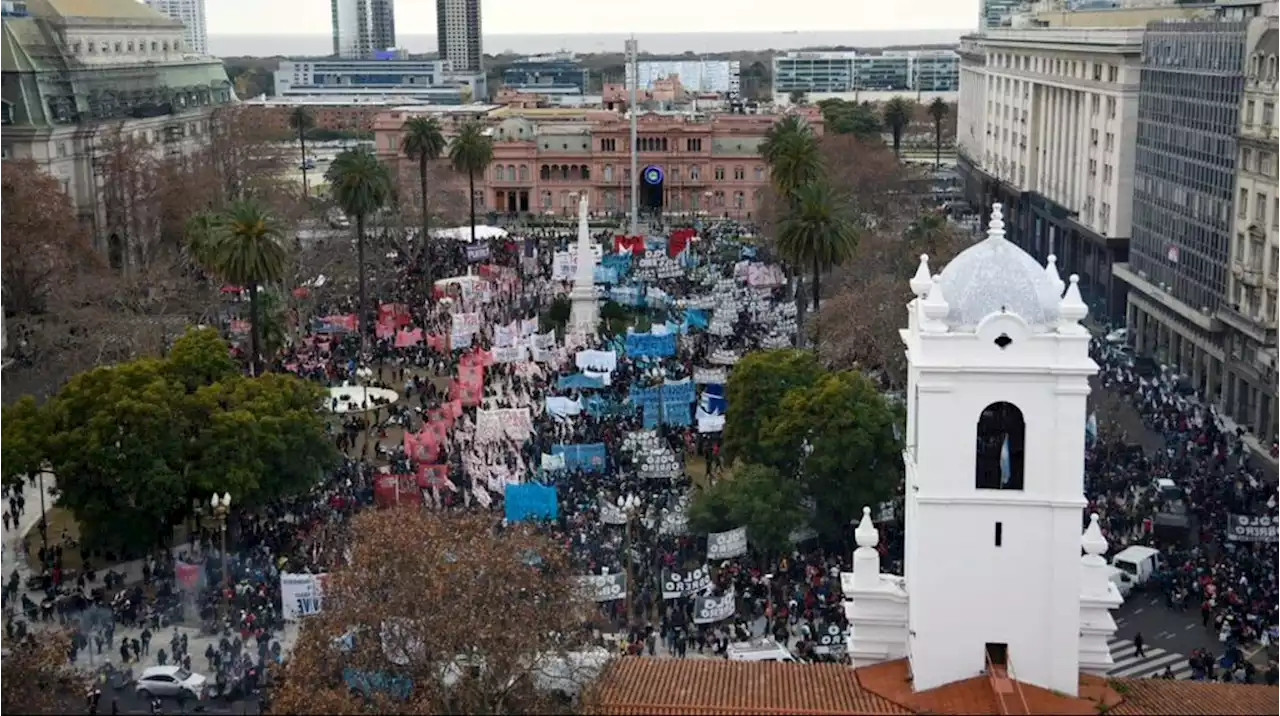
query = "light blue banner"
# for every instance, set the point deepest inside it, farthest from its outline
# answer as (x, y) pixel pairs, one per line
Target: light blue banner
(579, 381)
(645, 345)
(531, 501)
(590, 456)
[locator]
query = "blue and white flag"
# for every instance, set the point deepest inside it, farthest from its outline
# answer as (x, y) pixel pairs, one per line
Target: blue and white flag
(1006, 470)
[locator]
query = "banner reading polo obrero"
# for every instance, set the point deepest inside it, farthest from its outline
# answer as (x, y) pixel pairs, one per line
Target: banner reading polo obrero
(603, 587)
(709, 610)
(727, 545)
(684, 584)
(301, 595)
(1253, 528)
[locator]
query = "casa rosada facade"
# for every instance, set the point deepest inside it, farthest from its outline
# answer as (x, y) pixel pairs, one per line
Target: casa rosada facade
(543, 160)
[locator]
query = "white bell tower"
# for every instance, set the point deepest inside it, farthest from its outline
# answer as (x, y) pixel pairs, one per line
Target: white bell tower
(998, 369)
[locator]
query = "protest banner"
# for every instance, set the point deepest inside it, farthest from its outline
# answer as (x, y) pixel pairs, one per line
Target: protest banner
(647, 345)
(830, 639)
(703, 376)
(651, 455)
(727, 545)
(530, 501)
(709, 610)
(1257, 528)
(685, 584)
(597, 361)
(301, 595)
(603, 587)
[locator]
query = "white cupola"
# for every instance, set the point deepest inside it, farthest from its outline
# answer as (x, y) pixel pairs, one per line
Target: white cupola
(998, 370)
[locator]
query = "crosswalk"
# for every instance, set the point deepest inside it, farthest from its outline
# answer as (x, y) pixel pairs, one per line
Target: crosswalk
(1152, 662)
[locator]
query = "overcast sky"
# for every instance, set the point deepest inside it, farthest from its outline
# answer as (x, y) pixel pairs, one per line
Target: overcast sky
(523, 17)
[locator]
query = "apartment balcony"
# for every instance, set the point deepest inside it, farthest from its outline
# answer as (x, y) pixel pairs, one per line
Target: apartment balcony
(1250, 326)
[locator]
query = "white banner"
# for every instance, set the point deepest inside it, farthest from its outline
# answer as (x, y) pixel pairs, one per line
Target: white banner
(727, 545)
(710, 376)
(603, 587)
(465, 323)
(510, 354)
(599, 361)
(301, 595)
(459, 341)
(653, 458)
(611, 514)
(504, 336)
(544, 340)
(552, 462)
(709, 610)
(723, 357)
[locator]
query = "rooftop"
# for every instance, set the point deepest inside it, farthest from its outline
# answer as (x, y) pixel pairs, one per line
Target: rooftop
(72, 10)
(702, 687)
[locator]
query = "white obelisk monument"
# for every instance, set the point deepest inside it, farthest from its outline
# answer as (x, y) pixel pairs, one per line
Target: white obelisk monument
(585, 314)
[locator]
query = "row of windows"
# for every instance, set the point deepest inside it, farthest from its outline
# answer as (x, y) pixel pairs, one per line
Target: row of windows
(552, 172)
(674, 199)
(1078, 69)
(124, 46)
(652, 144)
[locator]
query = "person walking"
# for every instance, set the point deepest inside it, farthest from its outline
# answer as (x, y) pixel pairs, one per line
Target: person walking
(1138, 649)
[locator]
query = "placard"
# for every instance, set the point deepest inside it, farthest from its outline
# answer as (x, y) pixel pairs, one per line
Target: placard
(727, 545)
(603, 587)
(1259, 528)
(704, 376)
(684, 584)
(830, 640)
(301, 595)
(653, 458)
(709, 610)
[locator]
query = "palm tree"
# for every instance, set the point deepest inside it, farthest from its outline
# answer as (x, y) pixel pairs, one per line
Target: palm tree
(301, 120)
(471, 152)
(938, 109)
(201, 233)
(425, 142)
(816, 232)
(247, 251)
(361, 185)
(897, 116)
(791, 150)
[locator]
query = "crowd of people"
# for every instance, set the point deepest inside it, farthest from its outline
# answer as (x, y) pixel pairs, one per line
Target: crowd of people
(1181, 499)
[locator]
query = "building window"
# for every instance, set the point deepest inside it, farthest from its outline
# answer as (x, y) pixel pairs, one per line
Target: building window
(62, 150)
(693, 145)
(1260, 209)
(608, 145)
(585, 172)
(524, 172)
(739, 173)
(739, 200)
(1113, 73)
(1268, 113)
(719, 173)
(695, 173)
(544, 173)
(759, 173)
(1001, 445)
(608, 172)
(1246, 159)
(546, 200)
(1249, 108)
(499, 172)
(1243, 208)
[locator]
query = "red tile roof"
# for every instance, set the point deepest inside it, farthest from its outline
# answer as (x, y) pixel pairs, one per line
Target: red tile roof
(635, 686)
(703, 687)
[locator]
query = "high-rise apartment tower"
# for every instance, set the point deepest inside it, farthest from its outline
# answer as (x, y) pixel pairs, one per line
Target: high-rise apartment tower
(191, 14)
(458, 34)
(362, 28)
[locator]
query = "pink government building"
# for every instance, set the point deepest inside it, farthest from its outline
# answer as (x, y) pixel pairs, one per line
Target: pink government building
(690, 163)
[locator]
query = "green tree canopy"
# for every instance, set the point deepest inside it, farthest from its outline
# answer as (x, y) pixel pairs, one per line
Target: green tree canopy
(755, 496)
(816, 232)
(132, 444)
(754, 392)
(837, 435)
(856, 118)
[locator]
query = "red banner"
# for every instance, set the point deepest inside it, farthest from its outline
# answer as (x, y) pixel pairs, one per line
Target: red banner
(634, 244)
(389, 490)
(679, 240)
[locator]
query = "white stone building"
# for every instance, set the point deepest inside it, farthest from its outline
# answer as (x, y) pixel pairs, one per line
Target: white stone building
(191, 14)
(1045, 123)
(998, 370)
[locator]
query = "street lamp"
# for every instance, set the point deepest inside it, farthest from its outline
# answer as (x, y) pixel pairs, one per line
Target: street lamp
(630, 506)
(659, 375)
(221, 507)
(707, 195)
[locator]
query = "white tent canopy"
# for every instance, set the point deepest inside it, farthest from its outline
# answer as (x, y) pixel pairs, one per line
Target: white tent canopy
(463, 233)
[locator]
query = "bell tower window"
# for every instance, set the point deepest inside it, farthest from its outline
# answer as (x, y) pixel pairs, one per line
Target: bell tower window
(1002, 438)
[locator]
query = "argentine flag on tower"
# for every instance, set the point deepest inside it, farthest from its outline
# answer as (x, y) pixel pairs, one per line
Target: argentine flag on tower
(1005, 468)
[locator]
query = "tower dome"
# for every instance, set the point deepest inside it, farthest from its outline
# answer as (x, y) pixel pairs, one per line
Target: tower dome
(995, 276)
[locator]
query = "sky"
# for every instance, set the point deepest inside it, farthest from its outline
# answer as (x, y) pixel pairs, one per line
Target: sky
(525, 17)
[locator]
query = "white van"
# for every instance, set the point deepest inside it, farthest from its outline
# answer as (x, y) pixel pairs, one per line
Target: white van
(1117, 578)
(1137, 564)
(762, 648)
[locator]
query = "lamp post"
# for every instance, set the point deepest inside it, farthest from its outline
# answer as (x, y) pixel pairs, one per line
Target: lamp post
(630, 506)
(221, 507)
(659, 375)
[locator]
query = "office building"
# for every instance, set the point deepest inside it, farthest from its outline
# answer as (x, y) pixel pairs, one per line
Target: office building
(1192, 86)
(994, 13)
(363, 28)
(458, 35)
(889, 72)
(696, 76)
(1249, 311)
(119, 66)
(555, 77)
(349, 81)
(1045, 124)
(191, 14)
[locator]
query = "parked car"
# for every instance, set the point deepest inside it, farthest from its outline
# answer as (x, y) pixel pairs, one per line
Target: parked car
(173, 681)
